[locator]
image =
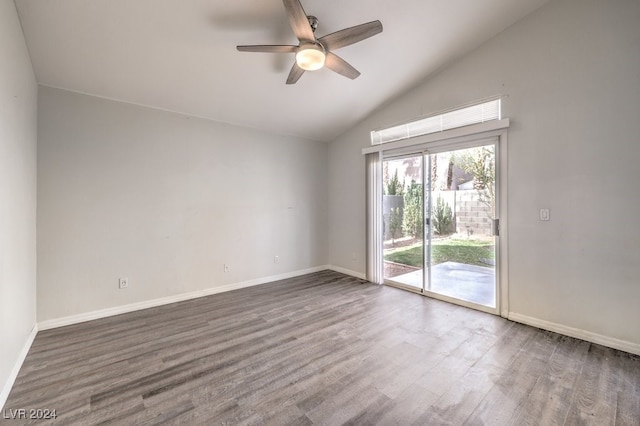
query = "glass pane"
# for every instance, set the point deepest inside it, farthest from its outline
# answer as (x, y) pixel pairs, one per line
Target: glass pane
(462, 213)
(403, 222)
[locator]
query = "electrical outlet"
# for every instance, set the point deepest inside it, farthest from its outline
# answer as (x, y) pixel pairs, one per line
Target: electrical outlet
(226, 268)
(276, 259)
(123, 283)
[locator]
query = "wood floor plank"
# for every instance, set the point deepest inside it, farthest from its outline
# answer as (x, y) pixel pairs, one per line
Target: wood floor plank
(550, 399)
(627, 391)
(456, 405)
(502, 401)
(412, 403)
(455, 364)
(323, 348)
(594, 396)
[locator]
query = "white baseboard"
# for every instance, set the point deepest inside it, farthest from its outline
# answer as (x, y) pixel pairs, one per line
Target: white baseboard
(600, 339)
(347, 272)
(16, 367)
(117, 310)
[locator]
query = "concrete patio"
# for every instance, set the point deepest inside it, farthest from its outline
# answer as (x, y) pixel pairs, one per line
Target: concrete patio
(471, 283)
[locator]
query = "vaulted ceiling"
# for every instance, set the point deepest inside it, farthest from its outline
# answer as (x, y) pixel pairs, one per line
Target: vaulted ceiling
(180, 55)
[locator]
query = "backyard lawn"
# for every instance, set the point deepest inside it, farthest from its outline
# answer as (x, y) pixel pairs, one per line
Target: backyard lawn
(470, 252)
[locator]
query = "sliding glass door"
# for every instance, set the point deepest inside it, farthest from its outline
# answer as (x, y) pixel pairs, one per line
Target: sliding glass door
(440, 225)
(403, 220)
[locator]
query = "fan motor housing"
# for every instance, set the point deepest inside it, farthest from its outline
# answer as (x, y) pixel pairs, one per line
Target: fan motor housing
(313, 22)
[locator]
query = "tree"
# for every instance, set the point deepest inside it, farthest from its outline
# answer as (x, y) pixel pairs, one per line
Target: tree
(393, 186)
(480, 163)
(442, 217)
(450, 173)
(412, 223)
(395, 224)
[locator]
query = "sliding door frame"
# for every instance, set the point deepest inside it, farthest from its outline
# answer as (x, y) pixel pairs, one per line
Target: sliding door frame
(460, 138)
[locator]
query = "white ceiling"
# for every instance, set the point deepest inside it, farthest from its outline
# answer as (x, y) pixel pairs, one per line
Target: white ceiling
(180, 55)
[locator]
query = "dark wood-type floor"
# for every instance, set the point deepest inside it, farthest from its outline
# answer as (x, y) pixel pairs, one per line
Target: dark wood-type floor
(323, 349)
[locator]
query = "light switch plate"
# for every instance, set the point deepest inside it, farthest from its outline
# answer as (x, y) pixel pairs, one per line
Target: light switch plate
(545, 214)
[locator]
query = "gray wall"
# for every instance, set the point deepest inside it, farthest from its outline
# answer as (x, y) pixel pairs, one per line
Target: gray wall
(165, 200)
(18, 133)
(570, 77)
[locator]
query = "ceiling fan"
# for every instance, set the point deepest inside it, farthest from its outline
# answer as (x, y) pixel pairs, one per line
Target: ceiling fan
(311, 53)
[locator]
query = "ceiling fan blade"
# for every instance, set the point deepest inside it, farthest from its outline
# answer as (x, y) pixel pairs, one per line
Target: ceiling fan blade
(298, 20)
(268, 48)
(295, 74)
(339, 65)
(351, 35)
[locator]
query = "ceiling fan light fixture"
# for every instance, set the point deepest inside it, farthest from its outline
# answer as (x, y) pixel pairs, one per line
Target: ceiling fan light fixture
(314, 53)
(310, 56)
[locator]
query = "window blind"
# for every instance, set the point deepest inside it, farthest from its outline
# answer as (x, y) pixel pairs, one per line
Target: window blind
(461, 117)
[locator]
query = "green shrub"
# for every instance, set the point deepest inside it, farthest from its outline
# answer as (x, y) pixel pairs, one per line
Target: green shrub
(413, 222)
(395, 224)
(393, 186)
(442, 217)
